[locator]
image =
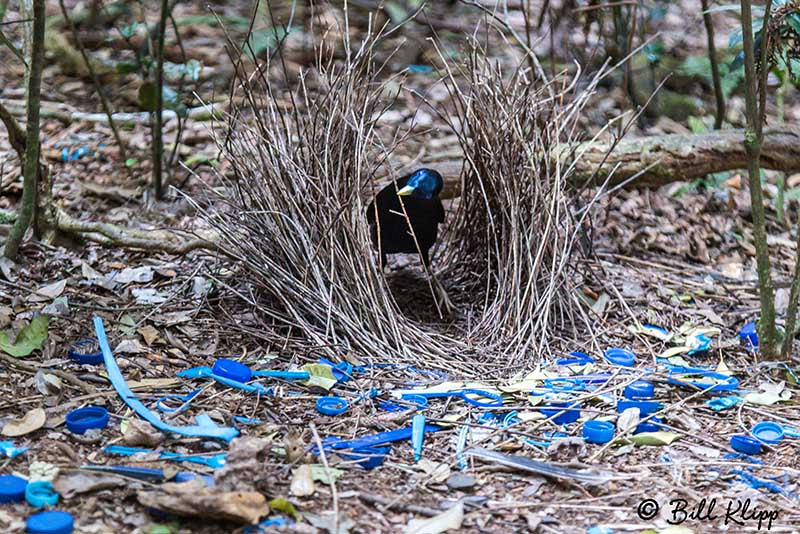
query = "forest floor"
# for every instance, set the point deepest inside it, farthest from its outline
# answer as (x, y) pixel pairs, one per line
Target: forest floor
(680, 257)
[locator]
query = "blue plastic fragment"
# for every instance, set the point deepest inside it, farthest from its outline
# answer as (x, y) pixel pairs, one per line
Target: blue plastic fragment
(40, 493)
(725, 382)
(651, 425)
(597, 529)
(461, 444)
(366, 457)
(417, 435)
(331, 405)
(246, 420)
(232, 370)
(266, 525)
(723, 403)
(495, 400)
(749, 336)
(757, 483)
(201, 430)
(215, 461)
(663, 332)
(8, 449)
(562, 413)
(284, 375)
(576, 358)
(619, 356)
(422, 69)
(342, 371)
(372, 440)
(184, 401)
(701, 344)
(208, 372)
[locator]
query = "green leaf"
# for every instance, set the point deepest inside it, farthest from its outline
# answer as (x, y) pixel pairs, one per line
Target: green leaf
(282, 505)
(170, 98)
(126, 67)
(653, 438)
(129, 30)
(264, 39)
(29, 339)
(191, 69)
(321, 375)
(696, 124)
(320, 474)
(130, 162)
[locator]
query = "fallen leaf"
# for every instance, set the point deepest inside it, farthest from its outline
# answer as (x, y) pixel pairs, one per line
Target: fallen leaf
(653, 438)
(48, 292)
(326, 476)
(448, 520)
(72, 484)
(57, 308)
(129, 346)
(148, 295)
(30, 422)
(149, 333)
(141, 433)
(29, 339)
(769, 394)
(320, 375)
(46, 383)
(330, 523)
(280, 504)
(628, 419)
(302, 482)
(139, 275)
(195, 499)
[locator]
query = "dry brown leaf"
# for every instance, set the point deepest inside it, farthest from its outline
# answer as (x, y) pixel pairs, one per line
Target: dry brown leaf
(149, 334)
(30, 422)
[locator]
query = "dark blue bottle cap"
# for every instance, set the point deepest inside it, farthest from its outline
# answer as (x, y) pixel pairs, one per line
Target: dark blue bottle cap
(86, 351)
(745, 444)
(645, 407)
(366, 457)
(41, 493)
(639, 390)
(621, 357)
(51, 522)
(83, 419)
(331, 405)
(575, 358)
(232, 370)
(768, 432)
(12, 488)
(651, 425)
(572, 413)
(598, 431)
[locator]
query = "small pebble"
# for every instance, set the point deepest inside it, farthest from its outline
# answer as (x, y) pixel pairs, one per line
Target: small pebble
(460, 481)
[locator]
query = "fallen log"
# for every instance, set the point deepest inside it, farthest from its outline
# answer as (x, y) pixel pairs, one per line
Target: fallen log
(664, 159)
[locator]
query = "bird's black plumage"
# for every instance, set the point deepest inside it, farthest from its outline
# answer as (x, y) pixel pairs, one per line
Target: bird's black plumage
(424, 210)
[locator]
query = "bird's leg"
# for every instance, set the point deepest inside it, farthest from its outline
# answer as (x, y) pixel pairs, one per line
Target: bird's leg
(441, 296)
(383, 261)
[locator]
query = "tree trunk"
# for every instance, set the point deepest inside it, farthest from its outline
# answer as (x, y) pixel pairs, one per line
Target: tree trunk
(673, 157)
(31, 162)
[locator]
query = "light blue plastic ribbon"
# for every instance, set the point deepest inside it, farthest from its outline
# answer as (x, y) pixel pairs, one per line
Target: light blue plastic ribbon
(205, 427)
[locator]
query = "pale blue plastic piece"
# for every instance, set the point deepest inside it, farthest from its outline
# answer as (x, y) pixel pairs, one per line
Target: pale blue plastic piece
(205, 427)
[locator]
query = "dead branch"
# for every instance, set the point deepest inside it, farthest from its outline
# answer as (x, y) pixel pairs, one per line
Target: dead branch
(149, 240)
(671, 158)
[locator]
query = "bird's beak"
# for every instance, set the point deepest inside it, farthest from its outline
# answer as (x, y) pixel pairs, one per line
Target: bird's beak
(407, 190)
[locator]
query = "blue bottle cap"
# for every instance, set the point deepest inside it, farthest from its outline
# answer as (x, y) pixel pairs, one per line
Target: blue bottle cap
(645, 407)
(232, 370)
(331, 405)
(51, 522)
(41, 493)
(575, 358)
(745, 444)
(12, 488)
(366, 457)
(83, 419)
(749, 335)
(621, 357)
(651, 425)
(639, 390)
(570, 416)
(768, 432)
(598, 431)
(86, 351)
